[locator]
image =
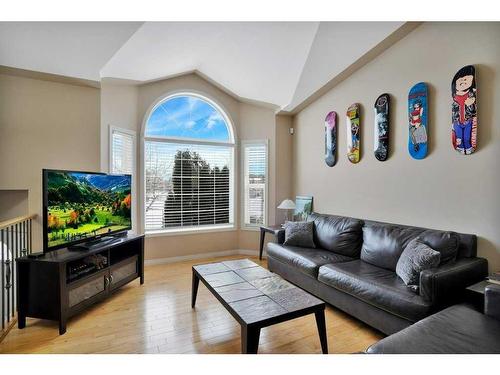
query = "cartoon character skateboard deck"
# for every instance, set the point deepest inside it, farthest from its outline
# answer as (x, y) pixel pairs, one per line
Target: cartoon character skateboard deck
(417, 121)
(330, 138)
(464, 110)
(353, 133)
(381, 134)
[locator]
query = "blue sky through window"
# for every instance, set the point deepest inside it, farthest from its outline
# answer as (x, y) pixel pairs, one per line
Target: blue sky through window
(187, 117)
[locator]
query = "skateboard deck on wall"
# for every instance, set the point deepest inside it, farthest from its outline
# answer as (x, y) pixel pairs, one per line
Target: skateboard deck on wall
(330, 138)
(417, 121)
(353, 133)
(381, 131)
(464, 110)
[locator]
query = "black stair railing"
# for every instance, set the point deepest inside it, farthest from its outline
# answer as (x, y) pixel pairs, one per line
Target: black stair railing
(15, 242)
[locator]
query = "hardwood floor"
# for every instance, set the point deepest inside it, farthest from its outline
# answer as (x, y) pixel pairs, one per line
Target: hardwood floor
(157, 318)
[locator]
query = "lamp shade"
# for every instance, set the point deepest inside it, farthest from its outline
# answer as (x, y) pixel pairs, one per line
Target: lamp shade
(287, 204)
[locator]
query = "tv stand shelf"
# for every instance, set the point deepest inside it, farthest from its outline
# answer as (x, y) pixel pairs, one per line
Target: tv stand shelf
(45, 291)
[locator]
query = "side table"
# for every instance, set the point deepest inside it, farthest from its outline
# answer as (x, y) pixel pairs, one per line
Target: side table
(273, 229)
(474, 294)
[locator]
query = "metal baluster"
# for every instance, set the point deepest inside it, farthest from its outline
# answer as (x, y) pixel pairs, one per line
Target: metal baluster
(23, 250)
(15, 255)
(11, 255)
(3, 277)
(30, 242)
(7, 273)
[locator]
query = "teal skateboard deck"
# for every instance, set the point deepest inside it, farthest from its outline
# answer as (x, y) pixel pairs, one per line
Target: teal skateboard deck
(418, 121)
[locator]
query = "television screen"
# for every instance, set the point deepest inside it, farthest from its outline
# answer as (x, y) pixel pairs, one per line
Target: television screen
(80, 206)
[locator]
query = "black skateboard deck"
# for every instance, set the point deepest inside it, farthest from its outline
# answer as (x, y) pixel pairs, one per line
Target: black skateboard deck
(381, 131)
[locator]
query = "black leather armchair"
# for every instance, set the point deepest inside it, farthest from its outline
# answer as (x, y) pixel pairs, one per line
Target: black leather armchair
(458, 329)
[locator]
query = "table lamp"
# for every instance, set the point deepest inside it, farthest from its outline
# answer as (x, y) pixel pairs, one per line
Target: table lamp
(287, 205)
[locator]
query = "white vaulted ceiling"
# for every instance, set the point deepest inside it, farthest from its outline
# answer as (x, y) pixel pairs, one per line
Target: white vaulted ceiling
(281, 63)
(74, 49)
(255, 60)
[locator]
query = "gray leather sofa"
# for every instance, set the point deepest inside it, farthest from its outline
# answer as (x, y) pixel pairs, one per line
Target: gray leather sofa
(459, 329)
(353, 268)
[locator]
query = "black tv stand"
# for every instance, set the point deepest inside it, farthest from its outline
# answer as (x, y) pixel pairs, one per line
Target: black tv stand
(106, 240)
(62, 283)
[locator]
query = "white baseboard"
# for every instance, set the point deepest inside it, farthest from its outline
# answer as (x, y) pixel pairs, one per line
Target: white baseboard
(150, 262)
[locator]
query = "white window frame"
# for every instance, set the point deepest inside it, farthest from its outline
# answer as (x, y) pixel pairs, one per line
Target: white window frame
(231, 226)
(244, 225)
(115, 129)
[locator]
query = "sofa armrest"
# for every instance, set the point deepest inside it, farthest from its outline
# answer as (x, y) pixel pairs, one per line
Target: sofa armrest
(444, 285)
(280, 236)
(492, 301)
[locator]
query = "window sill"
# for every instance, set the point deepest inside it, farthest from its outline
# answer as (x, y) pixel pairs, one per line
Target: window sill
(251, 228)
(191, 231)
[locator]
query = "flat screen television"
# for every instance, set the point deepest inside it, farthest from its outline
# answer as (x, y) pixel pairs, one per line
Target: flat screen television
(84, 206)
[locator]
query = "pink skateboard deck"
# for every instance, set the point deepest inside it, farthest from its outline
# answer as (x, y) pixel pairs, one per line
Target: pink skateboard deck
(331, 139)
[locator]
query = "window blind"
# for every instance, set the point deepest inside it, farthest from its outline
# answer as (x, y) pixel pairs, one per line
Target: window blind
(122, 152)
(187, 185)
(255, 183)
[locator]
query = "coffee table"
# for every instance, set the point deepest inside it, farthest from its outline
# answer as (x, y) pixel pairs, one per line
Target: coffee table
(257, 298)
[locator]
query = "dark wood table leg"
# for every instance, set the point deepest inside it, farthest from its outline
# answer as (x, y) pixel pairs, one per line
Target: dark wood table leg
(320, 322)
(21, 321)
(194, 288)
(142, 266)
(262, 235)
(249, 339)
(62, 326)
(22, 293)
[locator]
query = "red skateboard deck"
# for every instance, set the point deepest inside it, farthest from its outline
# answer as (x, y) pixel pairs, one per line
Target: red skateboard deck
(464, 110)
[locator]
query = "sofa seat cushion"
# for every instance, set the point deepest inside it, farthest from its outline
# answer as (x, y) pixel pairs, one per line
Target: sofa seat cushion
(377, 286)
(340, 234)
(456, 330)
(305, 260)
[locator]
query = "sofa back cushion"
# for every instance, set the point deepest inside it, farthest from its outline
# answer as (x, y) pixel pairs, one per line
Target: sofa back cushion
(383, 243)
(340, 234)
(445, 243)
(467, 247)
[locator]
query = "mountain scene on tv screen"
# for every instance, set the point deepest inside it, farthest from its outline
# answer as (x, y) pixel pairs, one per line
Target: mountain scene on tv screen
(82, 205)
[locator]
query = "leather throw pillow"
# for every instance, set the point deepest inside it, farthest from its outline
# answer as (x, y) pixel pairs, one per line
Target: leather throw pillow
(299, 233)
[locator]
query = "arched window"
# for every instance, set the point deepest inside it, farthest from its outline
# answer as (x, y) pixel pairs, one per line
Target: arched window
(189, 165)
